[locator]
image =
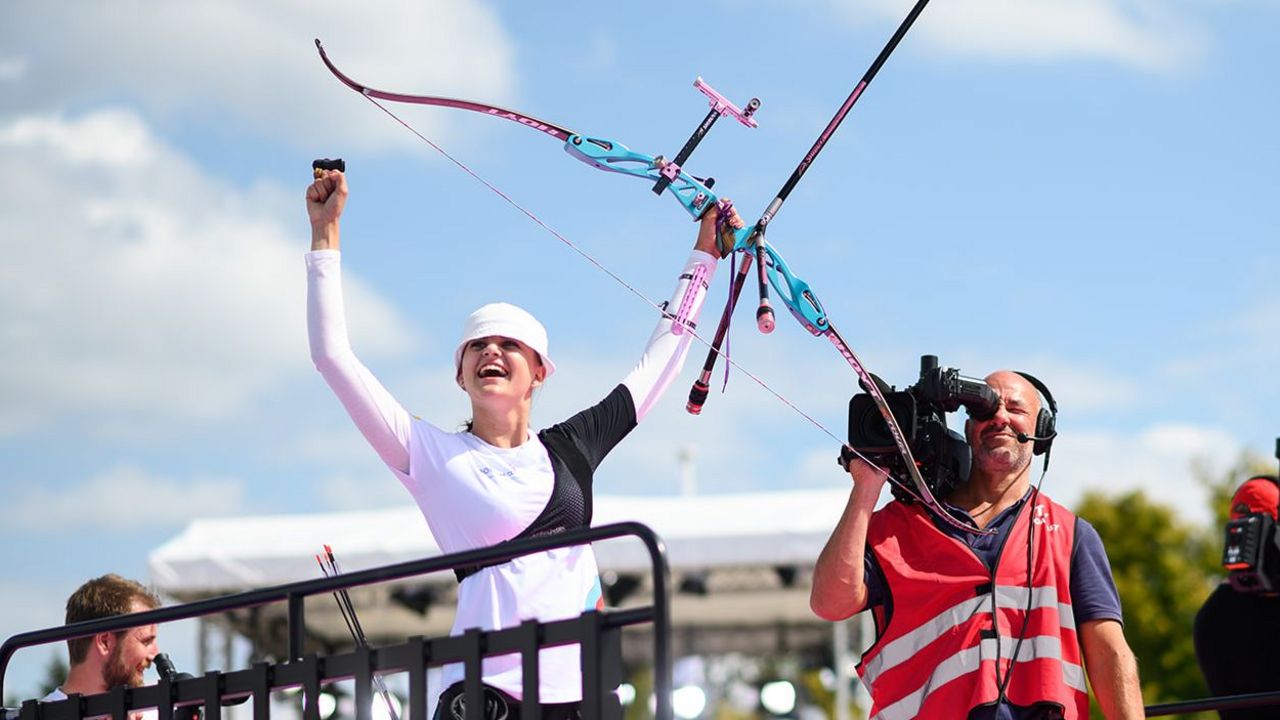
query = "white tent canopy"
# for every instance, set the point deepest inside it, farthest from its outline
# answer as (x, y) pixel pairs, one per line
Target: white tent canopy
(734, 544)
(704, 531)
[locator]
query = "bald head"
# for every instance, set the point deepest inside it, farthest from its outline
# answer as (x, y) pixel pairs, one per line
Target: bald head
(1016, 385)
(994, 441)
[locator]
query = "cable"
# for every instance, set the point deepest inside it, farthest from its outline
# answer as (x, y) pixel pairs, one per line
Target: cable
(1026, 615)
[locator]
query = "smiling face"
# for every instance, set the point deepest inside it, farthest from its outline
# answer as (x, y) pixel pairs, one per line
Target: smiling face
(499, 367)
(131, 654)
(994, 441)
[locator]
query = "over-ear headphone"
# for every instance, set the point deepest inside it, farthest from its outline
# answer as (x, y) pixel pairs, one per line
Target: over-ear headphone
(1046, 419)
(1274, 480)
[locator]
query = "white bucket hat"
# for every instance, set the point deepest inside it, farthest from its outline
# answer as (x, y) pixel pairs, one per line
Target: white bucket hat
(505, 320)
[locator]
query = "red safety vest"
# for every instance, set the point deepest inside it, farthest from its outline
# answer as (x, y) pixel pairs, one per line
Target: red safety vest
(937, 658)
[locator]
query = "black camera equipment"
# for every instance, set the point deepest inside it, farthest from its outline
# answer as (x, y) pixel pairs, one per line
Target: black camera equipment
(941, 453)
(1251, 553)
(166, 670)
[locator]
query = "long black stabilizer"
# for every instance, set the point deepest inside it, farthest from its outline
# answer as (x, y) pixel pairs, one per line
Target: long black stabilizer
(698, 394)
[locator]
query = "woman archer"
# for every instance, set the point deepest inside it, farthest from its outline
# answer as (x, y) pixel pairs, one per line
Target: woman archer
(496, 480)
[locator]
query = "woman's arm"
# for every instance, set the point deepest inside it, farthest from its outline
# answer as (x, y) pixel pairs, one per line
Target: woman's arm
(598, 429)
(382, 420)
(664, 355)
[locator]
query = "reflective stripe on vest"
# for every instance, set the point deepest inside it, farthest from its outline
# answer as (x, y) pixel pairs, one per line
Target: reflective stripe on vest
(1044, 647)
(946, 648)
(1008, 597)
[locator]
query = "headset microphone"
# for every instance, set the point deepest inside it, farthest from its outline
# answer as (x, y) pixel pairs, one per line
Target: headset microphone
(1025, 438)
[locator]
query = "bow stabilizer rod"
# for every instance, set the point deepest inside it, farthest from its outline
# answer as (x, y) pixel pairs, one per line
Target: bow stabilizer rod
(800, 299)
(753, 239)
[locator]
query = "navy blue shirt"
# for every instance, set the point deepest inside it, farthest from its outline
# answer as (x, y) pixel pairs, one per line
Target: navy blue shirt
(1093, 590)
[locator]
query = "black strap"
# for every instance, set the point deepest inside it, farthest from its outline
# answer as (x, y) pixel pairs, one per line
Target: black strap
(559, 445)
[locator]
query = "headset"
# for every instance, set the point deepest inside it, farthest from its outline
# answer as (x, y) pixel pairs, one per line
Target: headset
(1046, 420)
(1042, 442)
(1250, 552)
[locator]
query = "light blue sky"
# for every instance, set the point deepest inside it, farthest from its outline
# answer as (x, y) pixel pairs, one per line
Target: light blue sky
(1083, 189)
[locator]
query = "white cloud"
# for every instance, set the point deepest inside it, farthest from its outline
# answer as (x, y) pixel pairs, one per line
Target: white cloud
(373, 491)
(1228, 369)
(1089, 390)
(1156, 460)
(108, 138)
(12, 69)
(109, 501)
(255, 63)
(1080, 389)
(136, 289)
(1140, 33)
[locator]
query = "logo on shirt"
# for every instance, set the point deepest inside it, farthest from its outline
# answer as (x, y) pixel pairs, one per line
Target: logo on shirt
(1040, 516)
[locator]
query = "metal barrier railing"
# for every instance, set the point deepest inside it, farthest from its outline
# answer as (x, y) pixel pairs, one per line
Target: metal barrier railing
(1224, 702)
(596, 632)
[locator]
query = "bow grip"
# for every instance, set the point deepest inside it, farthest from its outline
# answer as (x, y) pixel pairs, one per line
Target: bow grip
(611, 156)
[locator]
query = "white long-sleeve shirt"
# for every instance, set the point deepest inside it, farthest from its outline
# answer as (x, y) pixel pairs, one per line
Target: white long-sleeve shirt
(473, 494)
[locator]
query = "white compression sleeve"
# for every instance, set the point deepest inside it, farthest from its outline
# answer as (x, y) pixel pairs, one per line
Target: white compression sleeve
(664, 356)
(383, 421)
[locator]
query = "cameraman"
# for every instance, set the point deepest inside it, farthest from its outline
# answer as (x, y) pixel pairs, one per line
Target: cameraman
(952, 606)
(1237, 631)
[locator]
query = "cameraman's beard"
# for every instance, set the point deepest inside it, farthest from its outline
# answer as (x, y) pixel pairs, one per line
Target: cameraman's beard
(1002, 459)
(116, 672)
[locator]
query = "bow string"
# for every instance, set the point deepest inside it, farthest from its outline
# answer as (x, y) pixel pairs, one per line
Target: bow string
(696, 196)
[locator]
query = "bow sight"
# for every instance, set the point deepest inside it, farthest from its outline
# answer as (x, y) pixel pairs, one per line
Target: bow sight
(941, 453)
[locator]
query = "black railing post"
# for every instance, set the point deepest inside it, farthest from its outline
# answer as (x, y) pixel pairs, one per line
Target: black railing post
(417, 669)
(297, 626)
(262, 679)
(661, 623)
(592, 659)
(1225, 702)
(310, 688)
(529, 668)
(120, 703)
(213, 696)
(473, 664)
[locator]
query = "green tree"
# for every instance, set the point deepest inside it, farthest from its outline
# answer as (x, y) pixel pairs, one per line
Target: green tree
(1219, 488)
(1164, 569)
(55, 673)
(1160, 564)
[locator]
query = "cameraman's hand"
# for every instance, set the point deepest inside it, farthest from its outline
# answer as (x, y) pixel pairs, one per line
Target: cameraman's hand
(868, 480)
